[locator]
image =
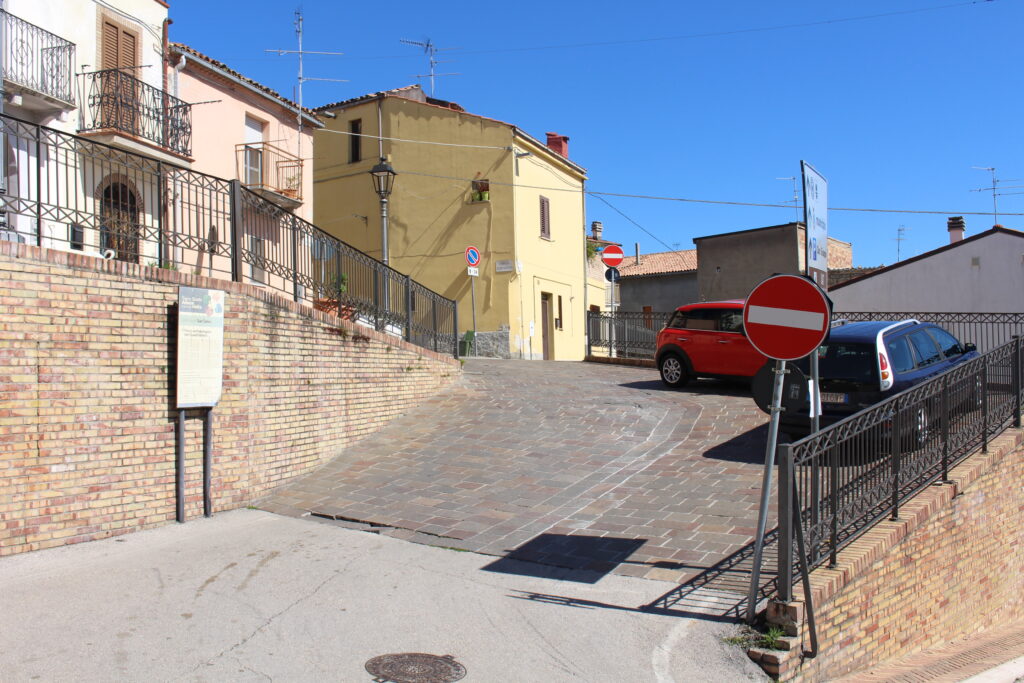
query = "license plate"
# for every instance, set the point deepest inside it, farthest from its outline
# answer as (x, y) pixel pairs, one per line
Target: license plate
(828, 397)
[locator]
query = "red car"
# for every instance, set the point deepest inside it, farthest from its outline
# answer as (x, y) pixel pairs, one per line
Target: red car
(706, 340)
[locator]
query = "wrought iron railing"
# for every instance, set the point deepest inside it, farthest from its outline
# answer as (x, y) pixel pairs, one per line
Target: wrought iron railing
(624, 334)
(36, 59)
(75, 194)
(633, 334)
(854, 473)
(985, 330)
(263, 167)
(116, 100)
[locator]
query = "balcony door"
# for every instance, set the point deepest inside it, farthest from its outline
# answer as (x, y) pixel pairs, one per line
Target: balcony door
(119, 222)
(253, 152)
(119, 87)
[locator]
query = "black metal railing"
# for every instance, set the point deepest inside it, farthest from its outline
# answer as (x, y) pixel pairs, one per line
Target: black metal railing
(985, 330)
(264, 167)
(116, 100)
(36, 59)
(633, 334)
(852, 474)
(71, 193)
(624, 334)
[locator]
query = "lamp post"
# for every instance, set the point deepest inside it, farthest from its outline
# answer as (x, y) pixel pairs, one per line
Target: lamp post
(383, 181)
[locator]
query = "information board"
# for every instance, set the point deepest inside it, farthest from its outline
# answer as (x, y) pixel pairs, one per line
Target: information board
(200, 347)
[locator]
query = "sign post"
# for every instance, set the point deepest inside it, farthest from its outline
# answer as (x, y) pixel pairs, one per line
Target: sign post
(473, 270)
(612, 256)
(786, 317)
(816, 257)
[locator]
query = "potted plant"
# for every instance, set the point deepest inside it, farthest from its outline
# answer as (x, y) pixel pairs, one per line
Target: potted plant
(332, 302)
(291, 186)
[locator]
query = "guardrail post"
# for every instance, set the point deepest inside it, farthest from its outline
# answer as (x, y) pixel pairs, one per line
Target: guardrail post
(236, 230)
(984, 407)
(455, 325)
(295, 259)
(376, 297)
(786, 521)
(433, 319)
(945, 429)
(408, 308)
(897, 438)
(1016, 380)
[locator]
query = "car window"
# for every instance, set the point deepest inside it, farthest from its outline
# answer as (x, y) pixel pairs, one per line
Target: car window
(849, 361)
(927, 350)
(678, 320)
(702, 319)
(948, 344)
(900, 357)
(731, 321)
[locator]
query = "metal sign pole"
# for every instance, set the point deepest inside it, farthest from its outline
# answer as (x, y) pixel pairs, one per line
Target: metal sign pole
(472, 294)
(766, 485)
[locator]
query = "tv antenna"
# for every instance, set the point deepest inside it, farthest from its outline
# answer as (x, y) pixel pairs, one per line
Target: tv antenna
(302, 79)
(796, 197)
(900, 232)
(430, 49)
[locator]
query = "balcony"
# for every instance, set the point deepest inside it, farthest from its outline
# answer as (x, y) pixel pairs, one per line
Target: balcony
(37, 65)
(118, 102)
(271, 172)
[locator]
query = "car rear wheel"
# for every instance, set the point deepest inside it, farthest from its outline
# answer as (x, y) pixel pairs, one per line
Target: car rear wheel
(673, 371)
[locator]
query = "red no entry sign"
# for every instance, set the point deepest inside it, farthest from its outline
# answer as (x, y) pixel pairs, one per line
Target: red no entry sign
(612, 255)
(786, 317)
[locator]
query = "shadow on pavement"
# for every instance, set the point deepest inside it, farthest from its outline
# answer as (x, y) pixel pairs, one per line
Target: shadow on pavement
(719, 593)
(717, 387)
(747, 447)
(584, 559)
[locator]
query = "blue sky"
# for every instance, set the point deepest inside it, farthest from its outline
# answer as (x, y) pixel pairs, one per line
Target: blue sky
(893, 102)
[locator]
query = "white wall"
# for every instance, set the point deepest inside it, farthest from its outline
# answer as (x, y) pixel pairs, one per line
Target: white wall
(984, 275)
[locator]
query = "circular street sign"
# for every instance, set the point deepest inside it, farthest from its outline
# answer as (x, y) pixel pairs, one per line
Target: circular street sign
(612, 255)
(786, 317)
(612, 275)
(794, 388)
(472, 256)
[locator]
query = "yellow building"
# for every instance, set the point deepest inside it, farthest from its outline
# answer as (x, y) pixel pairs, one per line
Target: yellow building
(484, 184)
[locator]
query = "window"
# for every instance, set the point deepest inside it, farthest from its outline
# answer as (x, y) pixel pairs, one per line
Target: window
(702, 319)
(117, 49)
(355, 129)
(76, 233)
(253, 162)
(648, 317)
(256, 249)
(545, 218)
(678, 320)
(927, 351)
(558, 320)
(899, 355)
(947, 343)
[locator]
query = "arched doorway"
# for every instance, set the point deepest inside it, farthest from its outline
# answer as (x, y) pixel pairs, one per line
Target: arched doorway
(119, 222)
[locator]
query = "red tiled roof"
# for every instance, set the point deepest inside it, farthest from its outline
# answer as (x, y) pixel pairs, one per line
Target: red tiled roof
(664, 262)
(182, 48)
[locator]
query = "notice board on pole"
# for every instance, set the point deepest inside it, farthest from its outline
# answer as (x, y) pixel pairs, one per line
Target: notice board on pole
(200, 347)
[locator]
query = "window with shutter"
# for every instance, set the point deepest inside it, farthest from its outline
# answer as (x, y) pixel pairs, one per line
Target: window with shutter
(109, 50)
(545, 218)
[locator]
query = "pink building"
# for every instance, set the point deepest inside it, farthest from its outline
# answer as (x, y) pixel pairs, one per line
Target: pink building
(244, 130)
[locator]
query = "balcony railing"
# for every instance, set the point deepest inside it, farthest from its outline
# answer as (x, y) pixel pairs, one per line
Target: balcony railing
(263, 168)
(118, 101)
(36, 59)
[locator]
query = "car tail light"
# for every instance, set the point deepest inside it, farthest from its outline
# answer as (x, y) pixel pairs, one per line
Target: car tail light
(883, 367)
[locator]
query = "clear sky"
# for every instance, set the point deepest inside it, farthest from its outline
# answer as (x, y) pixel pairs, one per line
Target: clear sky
(892, 101)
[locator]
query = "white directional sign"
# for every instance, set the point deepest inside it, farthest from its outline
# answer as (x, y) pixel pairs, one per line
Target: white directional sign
(816, 220)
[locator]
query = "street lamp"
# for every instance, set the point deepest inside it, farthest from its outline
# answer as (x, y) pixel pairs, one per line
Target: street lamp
(383, 180)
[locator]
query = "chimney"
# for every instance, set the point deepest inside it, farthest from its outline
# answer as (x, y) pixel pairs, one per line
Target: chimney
(636, 248)
(596, 228)
(955, 225)
(559, 144)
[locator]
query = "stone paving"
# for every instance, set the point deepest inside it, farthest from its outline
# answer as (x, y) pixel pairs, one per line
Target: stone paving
(588, 466)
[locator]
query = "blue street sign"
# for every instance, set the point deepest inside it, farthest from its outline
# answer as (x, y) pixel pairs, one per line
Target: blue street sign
(612, 275)
(472, 256)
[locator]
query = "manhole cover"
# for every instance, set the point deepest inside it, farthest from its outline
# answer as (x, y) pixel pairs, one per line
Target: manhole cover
(415, 667)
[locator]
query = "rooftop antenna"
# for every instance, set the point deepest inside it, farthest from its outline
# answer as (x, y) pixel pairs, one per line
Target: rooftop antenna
(900, 232)
(430, 49)
(796, 197)
(302, 79)
(995, 186)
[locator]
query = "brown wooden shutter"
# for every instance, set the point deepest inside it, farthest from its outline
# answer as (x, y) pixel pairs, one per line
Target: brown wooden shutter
(110, 50)
(545, 218)
(127, 45)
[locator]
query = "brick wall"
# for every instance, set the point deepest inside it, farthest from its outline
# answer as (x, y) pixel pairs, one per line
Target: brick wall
(87, 416)
(953, 565)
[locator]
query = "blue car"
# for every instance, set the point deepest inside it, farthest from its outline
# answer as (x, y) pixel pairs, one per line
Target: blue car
(862, 363)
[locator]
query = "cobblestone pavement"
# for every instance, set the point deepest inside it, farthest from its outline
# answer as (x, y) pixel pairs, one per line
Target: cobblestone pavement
(593, 467)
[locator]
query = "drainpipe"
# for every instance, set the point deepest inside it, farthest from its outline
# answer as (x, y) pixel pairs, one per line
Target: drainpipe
(3, 94)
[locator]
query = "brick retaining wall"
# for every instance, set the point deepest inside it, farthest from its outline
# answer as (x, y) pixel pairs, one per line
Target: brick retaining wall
(953, 565)
(87, 416)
